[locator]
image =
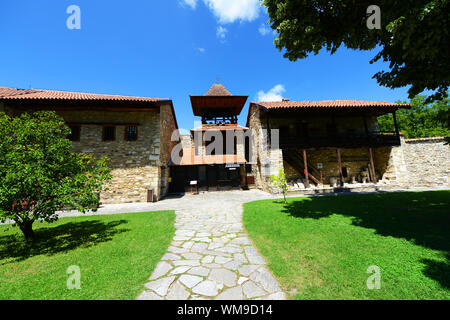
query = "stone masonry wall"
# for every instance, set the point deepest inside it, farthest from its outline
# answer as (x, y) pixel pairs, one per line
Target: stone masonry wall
(265, 160)
(428, 162)
(135, 164)
(168, 126)
(354, 160)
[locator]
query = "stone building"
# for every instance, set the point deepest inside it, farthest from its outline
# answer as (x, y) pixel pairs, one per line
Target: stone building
(321, 145)
(133, 132)
(325, 144)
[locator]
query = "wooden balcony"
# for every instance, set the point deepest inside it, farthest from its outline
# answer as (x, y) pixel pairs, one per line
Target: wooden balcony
(373, 139)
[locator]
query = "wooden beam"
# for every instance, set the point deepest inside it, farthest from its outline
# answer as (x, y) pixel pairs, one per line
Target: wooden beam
(372, 166)
(305, 162)
(341, 175)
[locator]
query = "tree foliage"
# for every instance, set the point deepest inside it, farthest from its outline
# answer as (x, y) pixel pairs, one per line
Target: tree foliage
(39, 174)
(422, 120)
(414, 37)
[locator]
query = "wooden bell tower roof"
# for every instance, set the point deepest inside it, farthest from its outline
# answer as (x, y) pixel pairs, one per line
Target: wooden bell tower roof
(217, 102)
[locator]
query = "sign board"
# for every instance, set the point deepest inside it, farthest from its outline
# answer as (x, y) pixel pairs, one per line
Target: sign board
(193, 182)
(232, 165)
(319, 165)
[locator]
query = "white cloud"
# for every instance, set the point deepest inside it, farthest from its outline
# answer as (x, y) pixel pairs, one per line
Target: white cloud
(264, 29)
(202, 50)
(228, 11)
(190, 3)
(274, 94)
(221, 32)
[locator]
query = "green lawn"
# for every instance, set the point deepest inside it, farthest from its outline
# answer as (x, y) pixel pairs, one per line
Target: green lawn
(116, 255)
(321, 247)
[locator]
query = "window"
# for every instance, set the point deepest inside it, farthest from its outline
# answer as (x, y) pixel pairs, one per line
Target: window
(109, 133)
(74, 133)
(131, 133)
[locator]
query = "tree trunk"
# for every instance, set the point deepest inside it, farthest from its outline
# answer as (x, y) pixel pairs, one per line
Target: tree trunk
(27, 229)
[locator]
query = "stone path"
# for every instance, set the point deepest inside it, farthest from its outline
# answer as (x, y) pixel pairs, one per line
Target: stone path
(211, 257)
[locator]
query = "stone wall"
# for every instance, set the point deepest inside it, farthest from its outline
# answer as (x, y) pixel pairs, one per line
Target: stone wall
(354, 161)
(167, 128)
(427, 162)
(266, 159)
(415, 163)
(135, 164)
(186, 141)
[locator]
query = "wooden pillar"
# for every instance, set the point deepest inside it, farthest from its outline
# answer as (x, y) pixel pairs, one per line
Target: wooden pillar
(269, 133)
(341, 175)
(305, 163)
(395, 123)
(372, 166)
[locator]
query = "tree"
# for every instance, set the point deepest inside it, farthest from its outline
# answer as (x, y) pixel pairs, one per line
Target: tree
(39, 174)
(280, 182)
(422, 120)
(414, 37)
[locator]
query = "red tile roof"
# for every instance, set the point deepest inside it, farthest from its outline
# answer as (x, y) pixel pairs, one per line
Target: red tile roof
(9, 92)
(332, 104)
(218, 90)
(29, 94)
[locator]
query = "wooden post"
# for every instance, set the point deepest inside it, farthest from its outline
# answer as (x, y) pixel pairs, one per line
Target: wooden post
(372, 166)
(341, 175)
(395, 123)
(305, 162)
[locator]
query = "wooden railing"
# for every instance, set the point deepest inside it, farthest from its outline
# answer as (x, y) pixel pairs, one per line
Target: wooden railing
(374, 139)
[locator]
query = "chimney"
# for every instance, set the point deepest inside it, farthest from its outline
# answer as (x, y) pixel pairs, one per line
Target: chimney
(286, 100)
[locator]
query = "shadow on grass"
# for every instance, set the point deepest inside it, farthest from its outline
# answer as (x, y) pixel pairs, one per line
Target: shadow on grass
(422, 218)
(438, 270)
(62, 238)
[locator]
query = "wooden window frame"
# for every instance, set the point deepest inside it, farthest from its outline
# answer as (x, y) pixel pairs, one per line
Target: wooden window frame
(103, 132)
(79, 132)
(125, 133)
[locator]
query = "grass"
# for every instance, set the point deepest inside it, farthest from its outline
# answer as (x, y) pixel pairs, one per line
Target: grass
(321, 247)
(116, 255)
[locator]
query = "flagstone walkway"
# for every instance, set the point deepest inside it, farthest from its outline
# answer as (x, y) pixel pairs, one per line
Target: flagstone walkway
(211, 256)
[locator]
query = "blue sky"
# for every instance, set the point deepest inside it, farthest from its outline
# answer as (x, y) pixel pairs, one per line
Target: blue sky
(171, 49)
